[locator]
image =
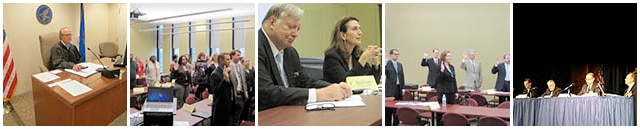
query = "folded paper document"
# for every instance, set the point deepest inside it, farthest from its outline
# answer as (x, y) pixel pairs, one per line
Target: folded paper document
(430, 105)
(352, 101)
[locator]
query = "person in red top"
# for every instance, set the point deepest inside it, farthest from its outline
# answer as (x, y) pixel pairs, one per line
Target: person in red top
(140, 67)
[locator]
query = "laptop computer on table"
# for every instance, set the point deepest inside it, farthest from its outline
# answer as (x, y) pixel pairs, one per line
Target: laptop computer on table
(159, 100)
(159, 107)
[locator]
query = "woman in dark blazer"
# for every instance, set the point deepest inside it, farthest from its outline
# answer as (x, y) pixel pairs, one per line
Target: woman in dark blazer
(182, 76)
(447, 85)
(344, 58)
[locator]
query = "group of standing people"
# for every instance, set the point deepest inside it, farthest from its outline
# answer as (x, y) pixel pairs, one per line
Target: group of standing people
(442, 76)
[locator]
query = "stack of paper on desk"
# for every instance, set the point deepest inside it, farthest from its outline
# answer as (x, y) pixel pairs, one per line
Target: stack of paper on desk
(74, 87)
(352, 101)
(45, 76)
(90, 70)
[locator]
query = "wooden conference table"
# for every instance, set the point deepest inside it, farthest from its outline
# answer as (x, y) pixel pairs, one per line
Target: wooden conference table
(100, 106)
(182, 115)
(415, 92)
(297, 115)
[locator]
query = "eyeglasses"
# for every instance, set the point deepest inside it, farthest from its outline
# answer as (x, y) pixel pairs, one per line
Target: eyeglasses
(321, 106)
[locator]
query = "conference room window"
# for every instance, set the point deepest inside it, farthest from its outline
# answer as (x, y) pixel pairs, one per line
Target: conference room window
(212, 50)
(176, 51)
(160, 53)
(238, 35)
(214, 36)
(175, 40)
(159, 42)
(192, 43)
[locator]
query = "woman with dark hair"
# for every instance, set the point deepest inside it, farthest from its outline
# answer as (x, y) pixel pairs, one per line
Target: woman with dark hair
(344, 58)
(199, 75)
(447, 85)
(183, 80)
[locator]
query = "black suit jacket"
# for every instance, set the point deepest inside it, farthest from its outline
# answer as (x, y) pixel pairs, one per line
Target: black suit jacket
(336, 69)
(502, 73)
(391, 88)
(594, 88)
(447, 81)
(61, 57)
(224, 99)
(132, 75)
(271, 87)
(434, 69)
(531, 93)
(556, 92)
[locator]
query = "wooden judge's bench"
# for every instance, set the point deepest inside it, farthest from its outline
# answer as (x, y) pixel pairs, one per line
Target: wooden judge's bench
(100, 106)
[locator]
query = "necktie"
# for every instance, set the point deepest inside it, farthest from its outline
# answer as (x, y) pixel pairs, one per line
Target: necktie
(238, 77)
(589, 88)
(67, 45)
(395, 65)
(473, 63)
(281, 69)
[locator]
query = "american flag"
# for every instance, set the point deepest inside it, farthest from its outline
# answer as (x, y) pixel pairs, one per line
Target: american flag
(10, 76)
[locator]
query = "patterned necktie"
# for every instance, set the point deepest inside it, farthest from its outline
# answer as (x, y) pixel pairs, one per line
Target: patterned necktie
(239, 77)
(281, 69)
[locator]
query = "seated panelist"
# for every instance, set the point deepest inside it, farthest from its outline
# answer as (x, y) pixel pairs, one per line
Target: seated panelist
(552, 90)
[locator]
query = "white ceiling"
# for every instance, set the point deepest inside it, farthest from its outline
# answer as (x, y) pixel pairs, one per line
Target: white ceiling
(163, 10)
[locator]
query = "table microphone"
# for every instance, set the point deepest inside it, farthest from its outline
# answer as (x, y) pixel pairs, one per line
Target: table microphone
(99, 69)
(109, 73)
(569, 86)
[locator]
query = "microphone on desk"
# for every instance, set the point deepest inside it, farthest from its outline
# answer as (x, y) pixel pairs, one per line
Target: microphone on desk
(109, 73)
(571, 85)
(601, 90)
(94, 54)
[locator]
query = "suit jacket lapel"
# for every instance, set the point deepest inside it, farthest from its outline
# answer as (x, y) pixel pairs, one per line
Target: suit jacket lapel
(271, 60)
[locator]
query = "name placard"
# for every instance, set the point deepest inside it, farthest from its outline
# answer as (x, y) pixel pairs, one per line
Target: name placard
(362, 82)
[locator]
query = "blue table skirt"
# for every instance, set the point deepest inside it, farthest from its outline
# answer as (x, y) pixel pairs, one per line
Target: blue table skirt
(574, 111)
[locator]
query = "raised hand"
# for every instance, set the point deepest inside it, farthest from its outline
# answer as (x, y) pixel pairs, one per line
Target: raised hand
(225, 73)
(464, 55)
(497, 61)
(426, 53)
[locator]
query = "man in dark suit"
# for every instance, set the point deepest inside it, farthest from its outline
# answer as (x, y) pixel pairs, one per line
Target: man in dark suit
(132, 74)
(394, 76)
(281, 78)
(504, 76)
(433, 64)
(65, 55)
(528, 90)
(590, 87)
(552, 90)
(223, 92)
(394, 84)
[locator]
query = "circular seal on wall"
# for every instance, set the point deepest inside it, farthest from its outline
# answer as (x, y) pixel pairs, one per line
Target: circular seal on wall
(44, 14)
